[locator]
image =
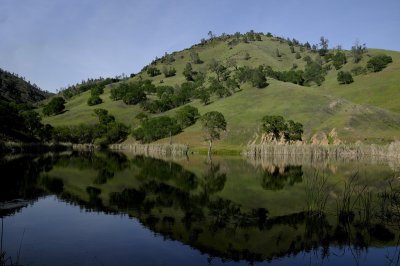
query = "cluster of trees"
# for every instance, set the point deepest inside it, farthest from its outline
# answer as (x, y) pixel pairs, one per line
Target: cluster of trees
(54, 107)
(293, 76)
(314, 72)
(338, 58)
(95, 93)
(279, 128)
(153, 71)
(106, 131)
(95, 84)
(152, 129)
(20, 122)
(132, 92)
(169, 97)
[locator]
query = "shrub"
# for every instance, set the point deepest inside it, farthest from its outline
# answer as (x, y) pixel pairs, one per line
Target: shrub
(153, 71)
(378, 62)
(94, 100)
(344, 77)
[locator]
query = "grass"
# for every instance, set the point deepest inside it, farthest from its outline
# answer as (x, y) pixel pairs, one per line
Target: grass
(365, 110)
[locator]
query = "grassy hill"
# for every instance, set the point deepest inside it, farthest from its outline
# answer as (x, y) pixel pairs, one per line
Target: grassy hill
(366, 110)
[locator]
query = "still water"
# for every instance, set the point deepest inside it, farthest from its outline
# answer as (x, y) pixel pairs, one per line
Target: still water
(120, 209)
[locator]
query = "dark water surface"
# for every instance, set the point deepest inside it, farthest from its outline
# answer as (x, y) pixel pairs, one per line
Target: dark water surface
(116, 209)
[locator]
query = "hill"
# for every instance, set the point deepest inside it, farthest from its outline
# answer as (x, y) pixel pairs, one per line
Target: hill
(366, 110)
(15, 89)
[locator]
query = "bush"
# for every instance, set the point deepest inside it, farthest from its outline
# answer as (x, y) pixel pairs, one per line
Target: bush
(94, 100)
(344, 77)
(378, 62)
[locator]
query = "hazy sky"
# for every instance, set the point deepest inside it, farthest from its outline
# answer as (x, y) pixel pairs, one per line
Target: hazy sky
(54, 43)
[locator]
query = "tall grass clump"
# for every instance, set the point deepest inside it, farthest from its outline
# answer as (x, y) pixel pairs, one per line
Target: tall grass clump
(316, 194)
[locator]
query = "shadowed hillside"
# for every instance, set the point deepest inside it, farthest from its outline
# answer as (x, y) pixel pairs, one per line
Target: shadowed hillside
(15, 89)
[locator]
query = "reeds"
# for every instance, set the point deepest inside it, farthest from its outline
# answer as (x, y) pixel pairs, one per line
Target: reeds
(312, 153)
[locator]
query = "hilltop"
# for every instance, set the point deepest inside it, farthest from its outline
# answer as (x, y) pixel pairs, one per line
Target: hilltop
(366, 110)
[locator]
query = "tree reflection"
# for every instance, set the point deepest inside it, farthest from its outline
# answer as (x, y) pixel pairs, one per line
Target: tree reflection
(193, 208)
(276, 178)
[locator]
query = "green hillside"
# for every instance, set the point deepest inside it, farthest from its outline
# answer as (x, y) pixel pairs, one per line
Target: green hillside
(365, 110)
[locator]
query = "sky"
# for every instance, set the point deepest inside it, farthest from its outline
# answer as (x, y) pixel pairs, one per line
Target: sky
(56, 43)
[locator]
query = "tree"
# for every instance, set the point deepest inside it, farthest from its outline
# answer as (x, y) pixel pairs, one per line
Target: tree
(211, 35)
(218, 88)
(203, 95)
(344, 77)
(275, 125)
(103, 116)
(324, 46)
(54, 107)
(298, 56)
(357, 51)
(220, 70)
(313, 73)
(258, 78)
(293, 132)
(187, 116)
(339, 59)
(213, 123)
(278, 127)
(188, 72)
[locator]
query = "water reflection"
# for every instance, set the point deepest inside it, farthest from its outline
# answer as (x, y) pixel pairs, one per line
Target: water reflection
(276, 177)
(231, 212)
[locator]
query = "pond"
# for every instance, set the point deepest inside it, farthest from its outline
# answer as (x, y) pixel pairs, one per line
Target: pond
(84, 208)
